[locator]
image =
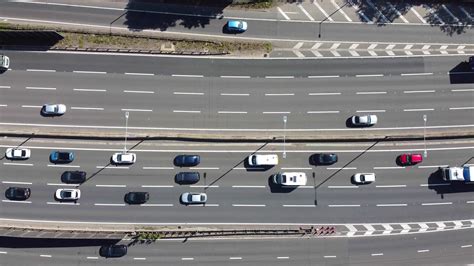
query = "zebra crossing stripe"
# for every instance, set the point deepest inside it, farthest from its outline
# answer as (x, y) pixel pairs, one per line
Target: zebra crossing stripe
(322, 11)
(316, 53)
(340, 10)
(418, 15)
(353, 53)
(352, 229)
(353, 46)
(316, 45)
(387, 228)
(397, 12)
(405, 227)
(305, 12)
(372, 46)
(298, 45)
(335, 46)
(298, 53)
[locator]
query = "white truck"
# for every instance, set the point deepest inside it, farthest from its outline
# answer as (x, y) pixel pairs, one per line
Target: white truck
(465, 173)
(4, 62)
(263, 160)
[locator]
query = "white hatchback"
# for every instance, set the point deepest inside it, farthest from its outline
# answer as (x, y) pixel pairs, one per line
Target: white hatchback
(364, 178)
(17, 154)
(124, 158)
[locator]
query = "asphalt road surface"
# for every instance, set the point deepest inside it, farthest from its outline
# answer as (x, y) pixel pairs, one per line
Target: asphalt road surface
(237, 194)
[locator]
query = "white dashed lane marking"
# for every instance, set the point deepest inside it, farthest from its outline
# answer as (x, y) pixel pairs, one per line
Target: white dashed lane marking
(41, 70)
(90, 90)
(187, 76)
(140, 92)
(19, 164)
(87, 108)
(89, 72)
(392, 205)
(139, 74)
(40, 88)
(187, 93)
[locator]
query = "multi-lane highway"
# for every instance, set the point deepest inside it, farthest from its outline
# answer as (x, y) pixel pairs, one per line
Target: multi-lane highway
(237, 194)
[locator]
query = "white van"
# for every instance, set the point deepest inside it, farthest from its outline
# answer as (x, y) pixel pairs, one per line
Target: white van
(263, 159)
(290, 179)
(4, 62)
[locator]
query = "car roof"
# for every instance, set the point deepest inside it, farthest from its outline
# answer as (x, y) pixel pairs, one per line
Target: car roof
(234, 23)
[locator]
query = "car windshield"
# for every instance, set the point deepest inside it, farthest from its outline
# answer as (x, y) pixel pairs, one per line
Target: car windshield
(362, 178)
(357, 119)
(202, 197)
(254, 160)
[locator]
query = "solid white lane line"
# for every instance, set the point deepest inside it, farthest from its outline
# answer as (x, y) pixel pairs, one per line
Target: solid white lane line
(283, 13)
(323, 93)
(16, 201)
(462, 90)
(40, 88)
(187, 93)
(89, 72)
(235, 258)
(187, 111)
(418, 110)
(187, 258)
(462, 108)
(249, 205)
(279, 94)
(31, 106)
(231, 112)
(112, 167)
(342, 205)
(205, 168)
(236, 186)
(341, 168)
(392, 205)
(158, 186)
(40, 70)
(343, 187)
(111, 185)
(417, 74)
(376, 254)
(276, 112)
(371, 92)
(236, 77)
(62, 203)
(436, 203)
(156, 205)
(139, 258)
(323, 112)
(279, 77)
(466, 246)
(388, 167)
(19, 164)
(45, 256)
(17, 182)
(63, 166)
(282, 258)
(435, 185)
(423, 250)
(320, 77)
(109, 204)
(136, 110)
(235, 94)
(208, 205)
(424, 91)
(187, 76)
(140, 92)
(299, 206)
(92, 258)
(305, 12)
(62, 184)
(296, 168)
(371, 111)
(329, 256)
(369, 75)
(139, 74)
(90, 90)
(157, 168)
(87, 108)
(390, 186)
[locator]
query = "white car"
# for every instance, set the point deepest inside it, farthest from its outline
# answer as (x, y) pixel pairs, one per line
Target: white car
(193, 198)
(290, 179)
(67, 194)
(4, 62)
(263, 160)
(364, 120)
(124, 158)
(17, 154)
(364, 178)
(53, 109)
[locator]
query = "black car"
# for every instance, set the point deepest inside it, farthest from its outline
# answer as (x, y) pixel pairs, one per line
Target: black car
(113, 251)
(17, 193)
(186, 178)
(136, 197)
(73, 177)
(187, 160)
(323, 158)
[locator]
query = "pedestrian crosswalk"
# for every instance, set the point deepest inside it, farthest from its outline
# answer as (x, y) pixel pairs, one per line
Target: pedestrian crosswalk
(369, 49)
(377, 12)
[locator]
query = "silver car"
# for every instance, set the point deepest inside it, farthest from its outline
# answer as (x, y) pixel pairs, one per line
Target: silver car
(53, 109)
(364, 120)
(193, 198)
(17, 154)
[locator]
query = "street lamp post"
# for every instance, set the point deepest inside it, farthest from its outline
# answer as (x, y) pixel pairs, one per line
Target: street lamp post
(126, 131)
(285, 118)
(425, 153)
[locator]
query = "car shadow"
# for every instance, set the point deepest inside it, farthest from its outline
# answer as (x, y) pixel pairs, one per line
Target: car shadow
(461, 74)
(274, 188)
(250, 168)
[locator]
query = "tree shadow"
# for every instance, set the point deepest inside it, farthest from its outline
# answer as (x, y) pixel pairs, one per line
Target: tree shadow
(162, 14)
(381, 12)
(461, 74)
(31, 242)
(28, 40)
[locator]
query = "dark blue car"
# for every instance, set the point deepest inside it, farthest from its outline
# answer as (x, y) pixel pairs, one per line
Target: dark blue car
(187, 160)
(61, 156)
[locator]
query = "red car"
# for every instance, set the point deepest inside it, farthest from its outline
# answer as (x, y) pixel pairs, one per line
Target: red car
(410, 159)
